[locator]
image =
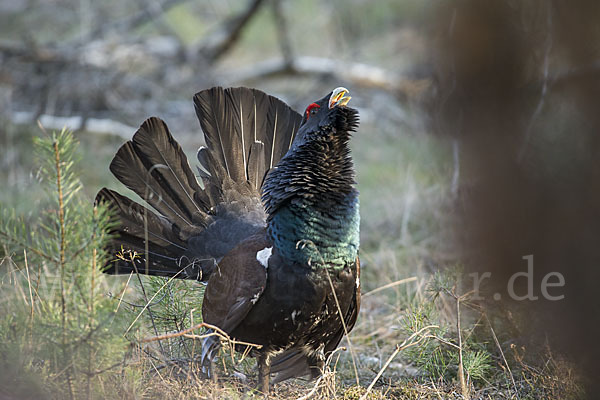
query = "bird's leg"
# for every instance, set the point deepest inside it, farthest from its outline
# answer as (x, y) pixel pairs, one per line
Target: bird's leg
(317, 365)
(318, 369)
(264, 370)
(212, 372)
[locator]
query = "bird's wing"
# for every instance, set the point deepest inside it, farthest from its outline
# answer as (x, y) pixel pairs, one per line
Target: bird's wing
(236, 284)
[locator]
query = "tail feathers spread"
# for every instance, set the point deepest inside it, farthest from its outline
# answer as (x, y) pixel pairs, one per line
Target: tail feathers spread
(165, 253)
(257, 165)
(246, 133)
(153, 165)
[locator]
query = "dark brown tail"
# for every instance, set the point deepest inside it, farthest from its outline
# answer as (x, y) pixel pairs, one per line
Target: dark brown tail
(191, 227)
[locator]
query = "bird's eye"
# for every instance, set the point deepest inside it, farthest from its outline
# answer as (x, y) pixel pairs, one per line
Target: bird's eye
(311, 110)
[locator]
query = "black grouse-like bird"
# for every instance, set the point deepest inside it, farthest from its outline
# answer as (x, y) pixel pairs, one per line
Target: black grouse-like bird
(272, 229)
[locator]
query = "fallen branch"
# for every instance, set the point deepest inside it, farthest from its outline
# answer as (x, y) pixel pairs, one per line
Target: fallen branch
(358, 74)
(99, 125)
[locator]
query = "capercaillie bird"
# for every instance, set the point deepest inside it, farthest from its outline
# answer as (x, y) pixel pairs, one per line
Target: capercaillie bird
(273, 230)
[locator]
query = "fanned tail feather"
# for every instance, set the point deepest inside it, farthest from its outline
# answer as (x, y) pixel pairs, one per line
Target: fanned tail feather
(192, 226)
(164, 249)
(154, 166)
(254, 123)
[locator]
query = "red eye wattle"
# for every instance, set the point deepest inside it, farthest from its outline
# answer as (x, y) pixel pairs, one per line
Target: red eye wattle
(310, 108)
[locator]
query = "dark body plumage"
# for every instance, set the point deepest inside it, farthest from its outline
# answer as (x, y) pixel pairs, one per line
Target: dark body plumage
(269, 270)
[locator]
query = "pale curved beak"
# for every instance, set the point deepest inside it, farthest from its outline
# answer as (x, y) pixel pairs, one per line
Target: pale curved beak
(339, 97)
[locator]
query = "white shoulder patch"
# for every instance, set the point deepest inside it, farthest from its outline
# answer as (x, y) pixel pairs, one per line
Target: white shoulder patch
(357, 282)
(263, 256)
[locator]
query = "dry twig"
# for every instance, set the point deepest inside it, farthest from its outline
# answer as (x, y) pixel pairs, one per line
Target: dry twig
(389, 285)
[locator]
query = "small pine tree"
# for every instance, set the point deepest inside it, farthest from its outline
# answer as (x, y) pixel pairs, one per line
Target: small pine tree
(60, 327)
(438, 356)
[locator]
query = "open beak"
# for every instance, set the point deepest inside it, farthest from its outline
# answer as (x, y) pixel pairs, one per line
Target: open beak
(339, 97)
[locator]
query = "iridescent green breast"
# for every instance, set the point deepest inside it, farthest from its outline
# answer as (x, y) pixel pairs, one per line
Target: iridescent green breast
(317, 234)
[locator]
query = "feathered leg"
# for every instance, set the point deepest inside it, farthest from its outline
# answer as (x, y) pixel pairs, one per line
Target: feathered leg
(264, 369)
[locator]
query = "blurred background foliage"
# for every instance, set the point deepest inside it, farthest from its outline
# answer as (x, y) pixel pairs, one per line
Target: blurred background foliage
(477, 143)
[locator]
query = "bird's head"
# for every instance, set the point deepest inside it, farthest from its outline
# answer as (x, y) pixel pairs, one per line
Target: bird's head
(329, 112)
